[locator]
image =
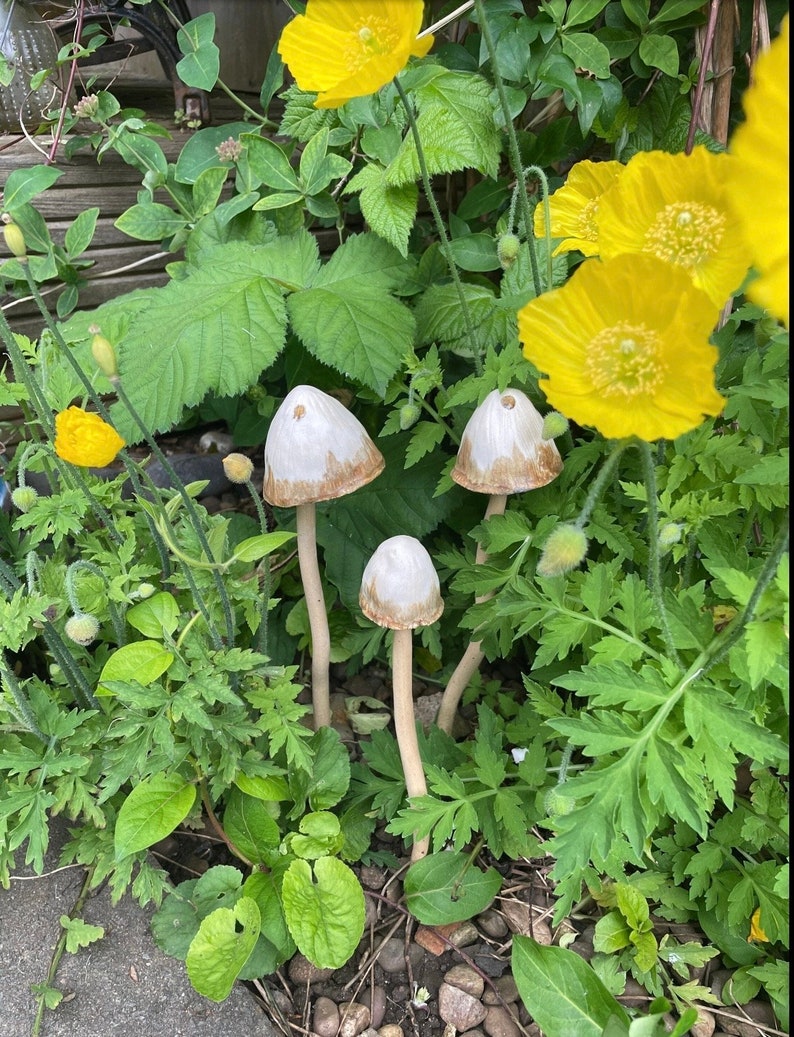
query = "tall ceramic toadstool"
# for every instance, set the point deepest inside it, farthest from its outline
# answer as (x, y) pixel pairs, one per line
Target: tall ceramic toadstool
(502, 451)
(400, 590)
(316, 450)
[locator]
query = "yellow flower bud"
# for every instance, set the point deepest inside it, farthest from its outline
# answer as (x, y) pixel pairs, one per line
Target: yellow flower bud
(238, 468)
(15, 240)
(105, 356)
(565, 548)
(84, 439)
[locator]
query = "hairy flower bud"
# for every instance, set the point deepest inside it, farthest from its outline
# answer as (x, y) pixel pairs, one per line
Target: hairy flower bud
(507, 250)
(565, 548)
(15, 240)
(105, 356)
(82, 628)
(670, 534)
(238, 467)
(554, 425)
(145, 590)
(556, 803)
(409, 415)
(24, 497)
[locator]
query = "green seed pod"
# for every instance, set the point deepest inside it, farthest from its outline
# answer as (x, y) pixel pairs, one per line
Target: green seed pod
(554, 425)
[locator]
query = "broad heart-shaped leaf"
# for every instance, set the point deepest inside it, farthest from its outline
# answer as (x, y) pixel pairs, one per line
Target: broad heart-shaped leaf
(143, 661)
(446, 887)
(217, 329)
(561, 992)
(202, 61)
(324, 908)
(152, 811)
(347, 317)
(221, 948)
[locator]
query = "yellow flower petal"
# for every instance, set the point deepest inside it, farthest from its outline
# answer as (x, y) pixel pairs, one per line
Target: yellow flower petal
(350, 48)
(85, 439)
(625, 346)
(675, 207)
(574, 207)
(758, 180)
(757, 934)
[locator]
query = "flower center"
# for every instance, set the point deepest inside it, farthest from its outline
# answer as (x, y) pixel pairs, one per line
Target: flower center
(624, 360)
(687, 233)
(588, 228)
(374, 37)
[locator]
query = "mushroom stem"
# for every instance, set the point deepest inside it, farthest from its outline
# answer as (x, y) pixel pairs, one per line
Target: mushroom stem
(318, 617)
(405, 726)
(473, 656)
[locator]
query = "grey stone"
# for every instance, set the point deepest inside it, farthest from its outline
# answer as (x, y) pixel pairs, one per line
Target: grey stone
(375, 1000)
(326, 1017)
(759, 1017)
(391, 1030)
(506, 991)
(458, 1008)
(465, 935)
(301, 971)
(120, 986)
(465, 978)
(705, 1026)
(355, 1018)
(499, 1022)
(493, 924)
(391, 956)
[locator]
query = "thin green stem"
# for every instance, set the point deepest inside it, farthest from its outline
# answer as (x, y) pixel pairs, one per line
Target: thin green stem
(689, 559)
(267, 578)
(22, 708)
(654, 562)
(513, 149)
(71, 593)
(600, 482)
(440, 227)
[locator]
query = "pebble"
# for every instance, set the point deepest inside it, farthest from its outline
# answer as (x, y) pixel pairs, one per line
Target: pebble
(326, 1017)
(465, 935)
(761, 1017)
(499, 1022)
(459, 1009)
(216, 442)
(492, 924)
(355, 1018)
(391, 956)
(705, 1026)
(301, 971)
(372, 877)
(391, 1030)
(375, 1000)
(465, 978)
(506, 989)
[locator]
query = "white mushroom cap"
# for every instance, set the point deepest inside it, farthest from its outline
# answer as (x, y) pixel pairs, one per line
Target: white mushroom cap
(502, 449)
(400, 588)
(316, 450)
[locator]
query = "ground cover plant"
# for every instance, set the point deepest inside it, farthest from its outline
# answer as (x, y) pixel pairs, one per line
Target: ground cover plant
(562, 327)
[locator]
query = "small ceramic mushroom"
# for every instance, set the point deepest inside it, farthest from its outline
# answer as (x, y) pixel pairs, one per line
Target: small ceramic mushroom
(400, 591)
(502, 451)
(316, 450)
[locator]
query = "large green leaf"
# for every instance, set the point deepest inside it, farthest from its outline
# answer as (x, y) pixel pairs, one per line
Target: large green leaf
(324, 908)
(446, 887)
(561, 992)
(151, 812)
(390, 211)
(201, 63)
(24, 184)
(348, 319)
(221, 948)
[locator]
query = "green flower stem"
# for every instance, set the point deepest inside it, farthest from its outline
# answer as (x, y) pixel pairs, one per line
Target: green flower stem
(23, 373)
(513, 149)
(71, 594)
(733, 632)
(21, 707)
(442, 230)
(599, 483)
(654, 566)
(689, 559)
(521, 185)
(267, 577)
(190, 507)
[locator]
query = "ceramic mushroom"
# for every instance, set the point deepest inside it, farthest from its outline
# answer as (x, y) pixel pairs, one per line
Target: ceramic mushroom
(400, 591)
(316, 450)
(502, 451)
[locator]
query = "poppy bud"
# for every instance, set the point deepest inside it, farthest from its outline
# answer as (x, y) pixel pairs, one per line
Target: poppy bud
(238, 467)
(15, 240)
(24, 497)
(409, 415)
(82, 628)
(554, 425)
(507, 250)
(556, 803)
(105, 356)
(565, 548)
(670, 534)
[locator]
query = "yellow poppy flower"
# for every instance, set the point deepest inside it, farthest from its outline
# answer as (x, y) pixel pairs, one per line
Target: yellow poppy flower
(349, 48)
(625, 346)
(574, 207)
(675, 207)
(758, 181)
(85, 439)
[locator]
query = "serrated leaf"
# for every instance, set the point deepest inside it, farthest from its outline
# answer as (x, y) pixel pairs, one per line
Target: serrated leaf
(390, 211)
(79, 933)
(221, 948)
(324, 909)
(152, 811)
(561, 992)
(446, 887)
(425, 437)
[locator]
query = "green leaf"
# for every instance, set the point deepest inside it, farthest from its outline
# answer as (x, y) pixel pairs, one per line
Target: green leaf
(150, 221)
(23, 184)
(141, 152)
(201, 64)
(581, 12)
(264, 889)
(611, 933)
(475, 252)
(152, 811)
(143, 661)
(221, 948)
(318, 168)
(348, 319)
(390, 211)
(561, 992)
(324, 909)
(320, 835)
(250, 825)
(198, 152)
(79, 933)
(252, 548)
(660, 52)
(269, 163)
(446, 887)
(672, 10)
(207, 190)
(79, 234)
(154, 615)
(586, 52)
